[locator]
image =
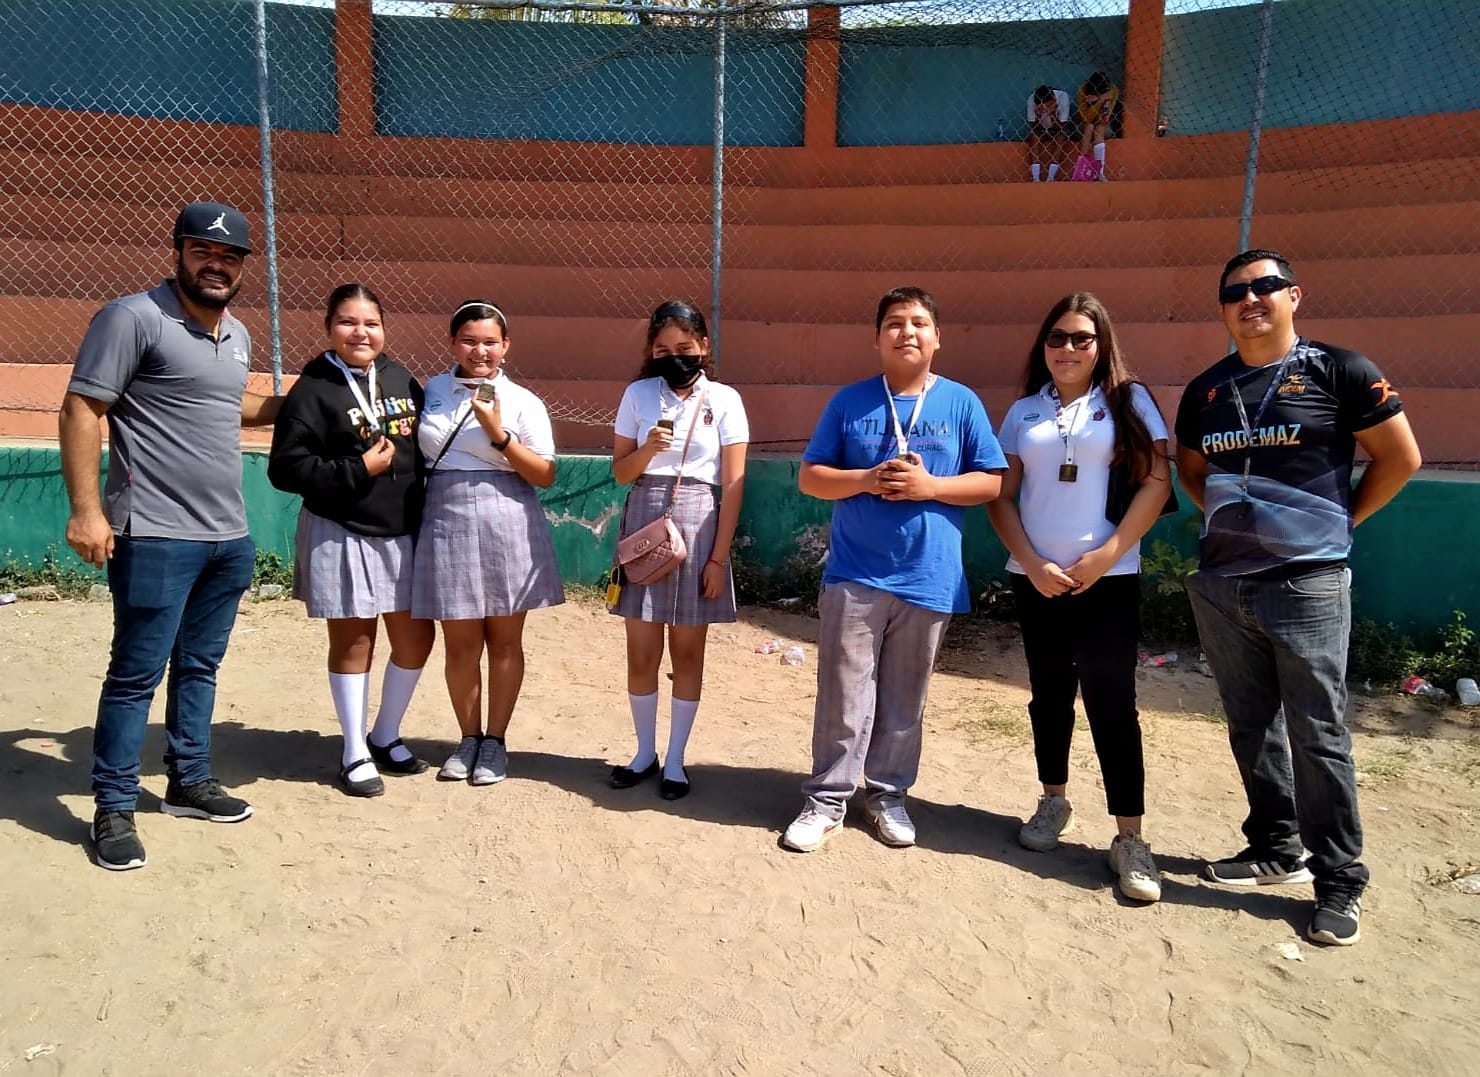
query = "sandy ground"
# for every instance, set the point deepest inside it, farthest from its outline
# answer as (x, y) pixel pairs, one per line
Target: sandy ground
(551, 925)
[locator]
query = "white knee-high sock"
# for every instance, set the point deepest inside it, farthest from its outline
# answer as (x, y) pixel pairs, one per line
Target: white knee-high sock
(681, 724)
(1100, 152)
(1037, 171)
(645, 724)
(351, 692)
(1053, 170)
(396, 690)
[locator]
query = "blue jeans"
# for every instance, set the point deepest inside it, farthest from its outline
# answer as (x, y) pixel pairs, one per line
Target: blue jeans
(1278, 651)
(173, 602)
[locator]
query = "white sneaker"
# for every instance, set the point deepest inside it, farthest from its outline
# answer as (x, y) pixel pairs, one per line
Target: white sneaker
(810, 829)
(1053, 817)
(1130, 859)
(460, 763)
(893, 825)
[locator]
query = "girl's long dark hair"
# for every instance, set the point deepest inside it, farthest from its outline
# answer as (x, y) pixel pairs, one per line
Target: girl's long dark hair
(1132, 439)
(688, 318)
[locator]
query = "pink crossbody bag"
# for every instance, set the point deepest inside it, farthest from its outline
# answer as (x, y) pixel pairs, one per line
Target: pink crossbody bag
(656, 549)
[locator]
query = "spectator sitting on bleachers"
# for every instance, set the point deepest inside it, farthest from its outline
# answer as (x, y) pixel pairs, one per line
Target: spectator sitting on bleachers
(1096, 107)
(1049, 134)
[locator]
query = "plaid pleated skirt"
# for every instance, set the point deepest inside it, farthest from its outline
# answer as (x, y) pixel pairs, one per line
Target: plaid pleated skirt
(484, 550)
(675, 599)
(338, 573)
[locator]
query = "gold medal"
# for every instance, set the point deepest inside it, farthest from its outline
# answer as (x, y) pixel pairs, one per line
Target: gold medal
(1068, 472)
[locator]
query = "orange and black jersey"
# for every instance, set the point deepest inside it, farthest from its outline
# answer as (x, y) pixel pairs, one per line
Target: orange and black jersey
(1300, 415)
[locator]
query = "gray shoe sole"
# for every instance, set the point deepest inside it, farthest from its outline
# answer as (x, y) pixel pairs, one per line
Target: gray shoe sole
(182, 811)
(486, 778)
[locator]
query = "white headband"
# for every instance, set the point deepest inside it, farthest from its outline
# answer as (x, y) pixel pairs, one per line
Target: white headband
(480, 303)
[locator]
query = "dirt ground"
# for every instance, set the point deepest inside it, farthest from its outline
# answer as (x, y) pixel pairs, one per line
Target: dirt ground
(551, 925)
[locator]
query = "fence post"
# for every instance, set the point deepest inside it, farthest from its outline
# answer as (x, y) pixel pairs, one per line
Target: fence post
(269, 219)
(820, 111)
(1251, 164)
(1145, 25)
(717, 244)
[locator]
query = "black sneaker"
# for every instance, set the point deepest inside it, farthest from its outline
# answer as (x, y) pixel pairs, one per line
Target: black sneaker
(1248, 868)
(1338, 910)
(116, 842)
(204, 800)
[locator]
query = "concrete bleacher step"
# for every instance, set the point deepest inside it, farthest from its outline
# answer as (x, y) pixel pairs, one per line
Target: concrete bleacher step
(1395, 286)
(1442, 228)
(1431, 351)
(141, 182)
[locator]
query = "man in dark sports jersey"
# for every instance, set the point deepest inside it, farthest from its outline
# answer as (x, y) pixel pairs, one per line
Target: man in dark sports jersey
(1265, 442)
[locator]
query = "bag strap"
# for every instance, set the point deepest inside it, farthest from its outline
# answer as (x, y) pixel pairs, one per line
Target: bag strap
(450, 437)
(677, 475)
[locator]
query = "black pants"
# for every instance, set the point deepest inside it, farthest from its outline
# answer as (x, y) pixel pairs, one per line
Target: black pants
(1086, 643)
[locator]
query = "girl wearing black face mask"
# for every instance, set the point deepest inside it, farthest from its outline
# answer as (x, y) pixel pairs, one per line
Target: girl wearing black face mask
(674, 401)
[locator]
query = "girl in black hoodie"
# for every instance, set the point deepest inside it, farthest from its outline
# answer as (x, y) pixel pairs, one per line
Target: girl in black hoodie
(345, 441)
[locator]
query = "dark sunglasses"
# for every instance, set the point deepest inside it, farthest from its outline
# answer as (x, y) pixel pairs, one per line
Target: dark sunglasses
(1261, 286)
(1082, 342)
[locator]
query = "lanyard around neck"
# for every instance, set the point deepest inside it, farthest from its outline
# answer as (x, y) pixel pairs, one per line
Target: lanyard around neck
(901, 436)
(367, 406)
(1066, 426)
(1250, 427)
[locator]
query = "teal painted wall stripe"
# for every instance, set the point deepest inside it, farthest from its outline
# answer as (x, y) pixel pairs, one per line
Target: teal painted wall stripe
(1434, 523)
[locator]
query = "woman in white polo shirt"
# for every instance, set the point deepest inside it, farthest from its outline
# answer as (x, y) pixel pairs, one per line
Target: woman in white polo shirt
(484, 556)
(673, 395)
(1075, 573)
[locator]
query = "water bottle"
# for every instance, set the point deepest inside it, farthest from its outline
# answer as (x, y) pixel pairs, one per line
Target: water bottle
(793, 656)
(1469, 693)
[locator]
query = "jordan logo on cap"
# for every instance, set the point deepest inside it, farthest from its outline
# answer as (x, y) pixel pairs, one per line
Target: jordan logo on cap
(219, 225)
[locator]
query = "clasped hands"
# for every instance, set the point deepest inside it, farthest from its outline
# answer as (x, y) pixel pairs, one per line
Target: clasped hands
(902, 478)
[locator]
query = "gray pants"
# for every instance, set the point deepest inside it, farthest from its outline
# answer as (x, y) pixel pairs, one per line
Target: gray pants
(874, 658)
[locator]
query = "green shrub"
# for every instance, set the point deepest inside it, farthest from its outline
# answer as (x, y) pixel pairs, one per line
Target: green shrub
(1166, 611)
(70, 578)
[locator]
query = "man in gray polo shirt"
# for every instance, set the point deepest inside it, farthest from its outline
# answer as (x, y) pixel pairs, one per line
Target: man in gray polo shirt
(168, 370)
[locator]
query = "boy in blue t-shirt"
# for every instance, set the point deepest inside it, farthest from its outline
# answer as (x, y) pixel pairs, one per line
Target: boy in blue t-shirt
(902, 455)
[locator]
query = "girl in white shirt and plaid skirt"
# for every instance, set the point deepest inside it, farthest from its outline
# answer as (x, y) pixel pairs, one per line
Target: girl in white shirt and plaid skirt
(674, 396)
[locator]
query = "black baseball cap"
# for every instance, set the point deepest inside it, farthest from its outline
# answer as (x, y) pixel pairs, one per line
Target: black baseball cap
(215, 222)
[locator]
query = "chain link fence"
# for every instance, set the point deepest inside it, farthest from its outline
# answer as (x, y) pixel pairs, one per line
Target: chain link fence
(780, 165)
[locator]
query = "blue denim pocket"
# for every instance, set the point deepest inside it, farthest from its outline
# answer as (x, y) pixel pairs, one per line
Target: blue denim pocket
(1321, 585)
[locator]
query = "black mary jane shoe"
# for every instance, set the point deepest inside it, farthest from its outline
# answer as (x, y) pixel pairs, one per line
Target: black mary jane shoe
(365, 787)
(386, 765)
(626, 777)
(672, 790)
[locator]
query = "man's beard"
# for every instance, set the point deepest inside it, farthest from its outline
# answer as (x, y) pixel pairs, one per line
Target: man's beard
(212, 296)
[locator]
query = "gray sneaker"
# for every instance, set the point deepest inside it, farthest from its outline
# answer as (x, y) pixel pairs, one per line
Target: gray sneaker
(460, 763)
(1054, 816)
(492, 766)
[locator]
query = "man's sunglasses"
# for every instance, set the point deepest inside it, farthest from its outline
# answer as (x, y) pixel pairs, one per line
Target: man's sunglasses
(1082, 342)
(1260, 286)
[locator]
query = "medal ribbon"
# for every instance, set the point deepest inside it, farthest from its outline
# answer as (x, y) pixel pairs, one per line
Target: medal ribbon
(1249, 428)
(901, 438)
(367, 407)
